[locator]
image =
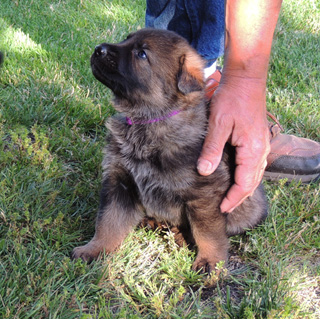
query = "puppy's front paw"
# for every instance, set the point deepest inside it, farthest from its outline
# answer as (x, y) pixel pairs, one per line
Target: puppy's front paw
(206, 264)
(203, 265)
(87, 252)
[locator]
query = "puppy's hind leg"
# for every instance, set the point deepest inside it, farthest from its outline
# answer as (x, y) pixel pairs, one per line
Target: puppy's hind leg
(249, 214)
(120, 211)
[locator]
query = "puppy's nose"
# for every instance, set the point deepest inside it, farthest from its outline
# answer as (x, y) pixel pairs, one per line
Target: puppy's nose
(101, 50)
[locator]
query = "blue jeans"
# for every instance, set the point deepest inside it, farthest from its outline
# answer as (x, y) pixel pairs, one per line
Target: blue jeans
(201, 22)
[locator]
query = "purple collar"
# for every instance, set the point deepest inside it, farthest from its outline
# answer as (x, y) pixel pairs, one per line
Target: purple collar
(130, 122)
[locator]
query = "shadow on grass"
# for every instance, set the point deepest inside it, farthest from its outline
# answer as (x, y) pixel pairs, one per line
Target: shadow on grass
(48, 53)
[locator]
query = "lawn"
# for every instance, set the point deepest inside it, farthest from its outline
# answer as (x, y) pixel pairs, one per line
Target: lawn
(52, 114)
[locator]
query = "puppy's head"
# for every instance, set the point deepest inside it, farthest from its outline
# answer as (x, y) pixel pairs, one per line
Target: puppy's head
(151, 67)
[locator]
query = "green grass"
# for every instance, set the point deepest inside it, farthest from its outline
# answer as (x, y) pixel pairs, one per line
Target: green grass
(52, 114)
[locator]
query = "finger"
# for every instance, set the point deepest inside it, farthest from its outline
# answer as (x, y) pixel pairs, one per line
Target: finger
(233, 199)
(218, 134)
(243, 187)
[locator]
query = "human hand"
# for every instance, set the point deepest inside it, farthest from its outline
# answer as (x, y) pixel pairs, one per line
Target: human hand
(237, 116)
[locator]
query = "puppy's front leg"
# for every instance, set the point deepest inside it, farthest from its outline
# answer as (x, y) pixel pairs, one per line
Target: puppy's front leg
(208, 228)
(119, 212)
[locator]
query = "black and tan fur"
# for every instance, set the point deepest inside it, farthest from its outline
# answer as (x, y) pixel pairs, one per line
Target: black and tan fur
(150, 169)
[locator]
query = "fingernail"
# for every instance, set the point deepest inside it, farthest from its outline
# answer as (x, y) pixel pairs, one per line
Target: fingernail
(224, 208)
(210, 82)
(227, 211)
(204, 166)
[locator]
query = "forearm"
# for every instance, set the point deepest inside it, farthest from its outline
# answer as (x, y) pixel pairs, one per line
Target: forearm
(250, 27)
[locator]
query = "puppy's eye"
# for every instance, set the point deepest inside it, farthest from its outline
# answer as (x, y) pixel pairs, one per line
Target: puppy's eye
(142, 54)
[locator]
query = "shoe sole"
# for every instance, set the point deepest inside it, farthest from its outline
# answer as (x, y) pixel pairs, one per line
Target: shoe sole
(274, 176)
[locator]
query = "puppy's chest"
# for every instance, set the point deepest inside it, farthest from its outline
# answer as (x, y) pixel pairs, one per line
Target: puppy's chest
(153, 166)
(162, 171)
(161, 161)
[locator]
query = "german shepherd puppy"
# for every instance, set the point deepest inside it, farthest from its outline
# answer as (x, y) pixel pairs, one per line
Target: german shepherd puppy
(149, 168)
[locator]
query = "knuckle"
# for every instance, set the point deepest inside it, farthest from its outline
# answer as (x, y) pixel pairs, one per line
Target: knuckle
(248, 187)
(258, 147)
(224, 120)
(247, 190)
(212, 148)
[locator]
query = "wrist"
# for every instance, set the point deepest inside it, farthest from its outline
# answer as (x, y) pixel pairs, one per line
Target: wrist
(246, 65)
(244, 84)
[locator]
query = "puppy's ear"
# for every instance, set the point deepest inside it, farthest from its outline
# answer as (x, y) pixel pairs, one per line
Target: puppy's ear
(190, 76)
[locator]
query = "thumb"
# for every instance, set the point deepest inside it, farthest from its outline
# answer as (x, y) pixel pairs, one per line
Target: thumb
(212, 149)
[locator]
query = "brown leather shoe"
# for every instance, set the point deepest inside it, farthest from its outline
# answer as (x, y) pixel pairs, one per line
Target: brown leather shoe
(291, 157)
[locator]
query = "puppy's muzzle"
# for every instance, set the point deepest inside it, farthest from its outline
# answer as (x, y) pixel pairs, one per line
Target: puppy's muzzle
(105, 57)
(106, 50)
(101, 50)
